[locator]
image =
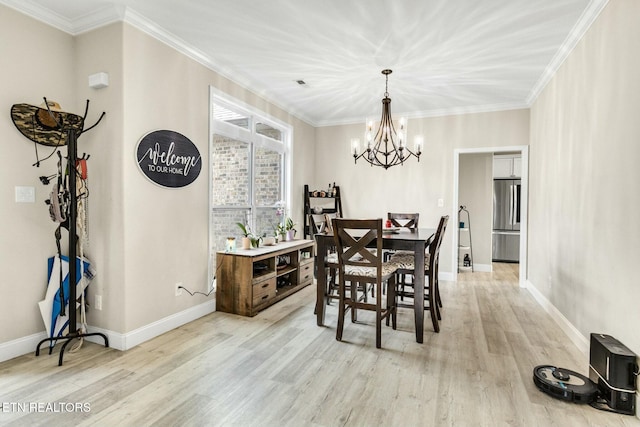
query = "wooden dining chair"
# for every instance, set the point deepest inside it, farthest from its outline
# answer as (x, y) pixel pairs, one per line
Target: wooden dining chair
(329, 217)
(404, 220)
(358, 264)
(406, 268)
(319, 225)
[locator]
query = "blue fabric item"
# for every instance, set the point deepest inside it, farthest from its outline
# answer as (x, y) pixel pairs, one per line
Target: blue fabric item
(57, 302)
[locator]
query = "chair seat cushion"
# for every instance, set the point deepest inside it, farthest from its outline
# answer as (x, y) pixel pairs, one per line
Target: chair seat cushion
(406, 261)
(402, 252)
(388, 268)
(332, 258)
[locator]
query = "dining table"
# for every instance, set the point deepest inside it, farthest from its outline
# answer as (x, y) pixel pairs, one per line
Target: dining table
(416, 240)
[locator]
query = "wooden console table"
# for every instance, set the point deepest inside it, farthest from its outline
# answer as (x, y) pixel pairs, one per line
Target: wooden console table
(250, 280)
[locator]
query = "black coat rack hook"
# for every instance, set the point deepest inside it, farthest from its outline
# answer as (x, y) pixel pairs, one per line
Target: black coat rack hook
(86, 111)
(94, 125)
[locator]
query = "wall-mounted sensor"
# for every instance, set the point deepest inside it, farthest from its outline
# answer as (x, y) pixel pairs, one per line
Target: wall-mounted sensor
(98, 80)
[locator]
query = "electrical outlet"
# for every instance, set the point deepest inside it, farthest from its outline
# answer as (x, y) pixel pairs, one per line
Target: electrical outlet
(98, 302)
(178, 289)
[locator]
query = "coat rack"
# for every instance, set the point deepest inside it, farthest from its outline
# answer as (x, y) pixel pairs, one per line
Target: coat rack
(72, 157)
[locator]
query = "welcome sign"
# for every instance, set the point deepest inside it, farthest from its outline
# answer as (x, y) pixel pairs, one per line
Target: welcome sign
(168, 158)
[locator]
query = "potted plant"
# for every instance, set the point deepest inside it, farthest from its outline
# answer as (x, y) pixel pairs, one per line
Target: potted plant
(276, 234)
(289, 229)
(255, 240)
(246, 235)
(280, 232)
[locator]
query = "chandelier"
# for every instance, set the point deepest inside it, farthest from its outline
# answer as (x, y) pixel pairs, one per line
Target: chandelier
(388, 147)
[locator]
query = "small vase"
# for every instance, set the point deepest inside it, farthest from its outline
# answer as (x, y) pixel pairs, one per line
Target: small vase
(290, 235)
(246, 243)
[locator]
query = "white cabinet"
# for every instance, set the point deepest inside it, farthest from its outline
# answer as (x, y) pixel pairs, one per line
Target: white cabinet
(507, 166)
(517, 167)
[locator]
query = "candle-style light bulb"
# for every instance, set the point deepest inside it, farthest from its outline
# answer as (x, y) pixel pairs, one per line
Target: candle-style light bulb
(355, 146)
(419, 142)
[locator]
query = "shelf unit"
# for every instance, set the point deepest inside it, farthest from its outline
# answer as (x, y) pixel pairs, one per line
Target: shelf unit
(320, 199)
(250, 280)
(465, 249)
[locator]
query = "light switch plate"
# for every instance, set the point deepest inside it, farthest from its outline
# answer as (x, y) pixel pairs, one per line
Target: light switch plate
(25, 194)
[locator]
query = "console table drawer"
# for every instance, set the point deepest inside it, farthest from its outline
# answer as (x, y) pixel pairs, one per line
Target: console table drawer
(306, 272)
(264, 291)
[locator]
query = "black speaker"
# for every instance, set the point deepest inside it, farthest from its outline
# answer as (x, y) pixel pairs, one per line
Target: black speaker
(612, 366)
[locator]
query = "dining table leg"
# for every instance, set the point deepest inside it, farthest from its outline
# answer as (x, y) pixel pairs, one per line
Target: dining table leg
(321, 279)
(418, 301)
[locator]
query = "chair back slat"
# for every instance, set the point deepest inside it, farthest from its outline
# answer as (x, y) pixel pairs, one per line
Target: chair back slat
(328, 219)
(434, 247)
(354, 239)
(318, 223)
(404, 220)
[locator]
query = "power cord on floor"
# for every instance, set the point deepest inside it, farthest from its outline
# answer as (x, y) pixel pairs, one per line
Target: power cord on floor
(212, 287)
(197, 292)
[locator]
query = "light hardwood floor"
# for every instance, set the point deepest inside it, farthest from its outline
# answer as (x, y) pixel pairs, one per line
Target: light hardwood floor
(280, 369)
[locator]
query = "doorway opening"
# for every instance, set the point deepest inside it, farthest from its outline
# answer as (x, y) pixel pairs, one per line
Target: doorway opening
(483, 231)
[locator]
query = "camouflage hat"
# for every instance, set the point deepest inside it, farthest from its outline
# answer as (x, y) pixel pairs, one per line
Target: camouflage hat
(45, 126)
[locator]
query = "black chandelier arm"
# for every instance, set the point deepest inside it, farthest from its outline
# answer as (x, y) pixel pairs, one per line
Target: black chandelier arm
(395, 149)
(375, 160)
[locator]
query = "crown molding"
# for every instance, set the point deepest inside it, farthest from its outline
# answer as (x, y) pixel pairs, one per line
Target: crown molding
(456, 111)
(113, 13)
(99, 18)
(149, 27)
(41, 14)
(589, 15)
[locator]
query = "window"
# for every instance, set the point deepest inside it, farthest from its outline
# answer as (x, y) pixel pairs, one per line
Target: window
(248, 154)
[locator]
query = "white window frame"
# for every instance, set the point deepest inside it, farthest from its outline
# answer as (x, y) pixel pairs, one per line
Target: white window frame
(255, 140)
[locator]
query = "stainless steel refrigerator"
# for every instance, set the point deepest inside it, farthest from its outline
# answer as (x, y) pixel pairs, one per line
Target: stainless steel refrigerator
(506, 220)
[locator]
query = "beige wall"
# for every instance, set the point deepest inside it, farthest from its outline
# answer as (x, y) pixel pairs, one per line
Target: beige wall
(101, 51)
(166, 238)
(415, 186)
(584, 175)
(37, 61)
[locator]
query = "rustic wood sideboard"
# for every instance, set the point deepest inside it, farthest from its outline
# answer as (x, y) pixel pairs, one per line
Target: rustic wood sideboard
(250, 280)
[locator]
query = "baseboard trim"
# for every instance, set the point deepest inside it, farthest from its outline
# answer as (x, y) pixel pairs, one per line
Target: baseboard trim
(574, 334)
(118, 341)
(447, 277)
(21, 346)
(484, 268)
(145, 333)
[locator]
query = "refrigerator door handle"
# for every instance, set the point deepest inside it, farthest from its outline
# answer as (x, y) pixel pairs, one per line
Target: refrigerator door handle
(510, 204)
(516, 220)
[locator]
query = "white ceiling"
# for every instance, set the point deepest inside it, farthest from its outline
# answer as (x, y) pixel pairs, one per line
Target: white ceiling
(447, 56)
